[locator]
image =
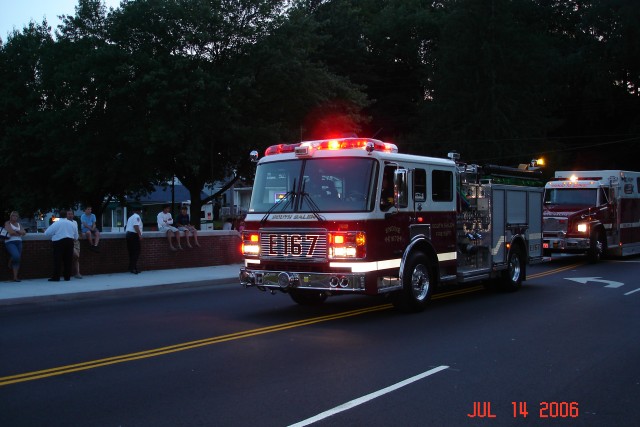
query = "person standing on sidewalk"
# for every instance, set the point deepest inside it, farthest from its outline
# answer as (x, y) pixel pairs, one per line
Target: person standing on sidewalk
(62, 232)
(14, 243)
(134, 235)
(75, 261)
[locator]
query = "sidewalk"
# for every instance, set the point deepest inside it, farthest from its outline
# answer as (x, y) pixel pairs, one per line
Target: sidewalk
(41, 290)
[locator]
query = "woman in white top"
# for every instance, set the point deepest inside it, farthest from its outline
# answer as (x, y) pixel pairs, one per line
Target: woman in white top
(14, 243)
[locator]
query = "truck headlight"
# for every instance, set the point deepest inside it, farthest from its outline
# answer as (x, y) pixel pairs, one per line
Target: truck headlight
(349, 244)
(250, 244)
(582, 228)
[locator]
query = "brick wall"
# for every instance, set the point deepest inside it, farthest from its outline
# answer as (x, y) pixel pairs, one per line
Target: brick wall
(217, 247)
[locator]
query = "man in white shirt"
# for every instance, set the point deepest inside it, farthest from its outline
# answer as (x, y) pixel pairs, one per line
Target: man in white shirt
(134, 235)
(62, 232)
(165, 224)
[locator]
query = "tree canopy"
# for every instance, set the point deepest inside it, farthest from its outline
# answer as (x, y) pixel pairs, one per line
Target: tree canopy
(114, 101)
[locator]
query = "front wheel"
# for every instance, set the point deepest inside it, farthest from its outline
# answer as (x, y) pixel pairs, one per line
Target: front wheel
(307, 297)
(417, 284)
(511, 279)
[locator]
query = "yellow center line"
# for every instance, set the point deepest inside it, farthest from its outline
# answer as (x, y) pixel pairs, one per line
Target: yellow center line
(555, 271)
(61, 370)
(458, 292)
(67, 369)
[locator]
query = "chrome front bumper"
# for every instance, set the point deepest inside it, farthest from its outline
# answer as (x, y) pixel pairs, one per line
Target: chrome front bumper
(285, 280)
(566, 244)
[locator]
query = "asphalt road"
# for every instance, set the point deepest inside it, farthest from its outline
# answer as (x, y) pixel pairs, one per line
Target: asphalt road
(228, 356)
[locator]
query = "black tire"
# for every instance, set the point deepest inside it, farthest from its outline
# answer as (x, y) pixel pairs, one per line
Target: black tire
(307, 297)
(417, 284)
(597, 247)
(511, 279)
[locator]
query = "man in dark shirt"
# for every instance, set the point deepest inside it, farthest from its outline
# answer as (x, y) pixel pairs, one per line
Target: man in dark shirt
(184, 225)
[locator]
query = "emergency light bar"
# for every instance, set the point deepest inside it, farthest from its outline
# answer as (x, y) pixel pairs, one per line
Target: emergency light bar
(307, 147)
(280, 149)
(577, 178)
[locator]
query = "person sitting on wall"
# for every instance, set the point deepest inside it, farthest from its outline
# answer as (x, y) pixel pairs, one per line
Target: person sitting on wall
(184, 225)
(165, 225)
(89, 228)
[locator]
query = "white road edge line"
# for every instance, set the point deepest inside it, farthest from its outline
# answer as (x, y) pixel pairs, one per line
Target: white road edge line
(368, 397)
(635, 290)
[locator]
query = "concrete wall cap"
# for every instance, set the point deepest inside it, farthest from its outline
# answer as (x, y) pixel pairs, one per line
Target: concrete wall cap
(145, 234)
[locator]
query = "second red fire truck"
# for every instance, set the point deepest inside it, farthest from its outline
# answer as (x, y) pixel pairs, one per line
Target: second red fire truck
(594, 212)
(354, 216)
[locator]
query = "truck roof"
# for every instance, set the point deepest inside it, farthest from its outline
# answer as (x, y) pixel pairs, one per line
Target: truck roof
(627, 181)
(596, 174)
(289, 151)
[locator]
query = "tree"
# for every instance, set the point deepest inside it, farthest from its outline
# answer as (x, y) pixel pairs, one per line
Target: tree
(67, 111)
(91, 84)
(24, 119)
(595, 80)
(219, 77)
(491, 86)
(385, 48)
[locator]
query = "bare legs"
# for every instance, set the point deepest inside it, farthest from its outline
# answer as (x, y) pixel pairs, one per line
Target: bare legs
(190, 230)
(171, 234)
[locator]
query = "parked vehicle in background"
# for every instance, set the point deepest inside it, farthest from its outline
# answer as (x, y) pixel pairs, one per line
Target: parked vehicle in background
(595, 212)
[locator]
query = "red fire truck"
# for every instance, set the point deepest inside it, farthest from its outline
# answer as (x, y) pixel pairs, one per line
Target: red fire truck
(593, 212)
(354, 216)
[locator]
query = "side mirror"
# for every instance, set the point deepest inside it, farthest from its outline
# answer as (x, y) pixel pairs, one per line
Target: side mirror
(400, 188)
(254, 156)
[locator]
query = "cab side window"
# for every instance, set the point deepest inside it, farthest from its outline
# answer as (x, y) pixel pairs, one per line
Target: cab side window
(442, 186)
(602, 196)
(420, 185)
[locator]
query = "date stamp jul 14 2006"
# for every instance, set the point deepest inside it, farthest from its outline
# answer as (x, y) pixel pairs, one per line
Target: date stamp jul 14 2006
(522, 410)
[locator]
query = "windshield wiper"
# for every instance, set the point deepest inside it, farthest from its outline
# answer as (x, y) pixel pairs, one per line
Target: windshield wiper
(314, 207)
(286, 200)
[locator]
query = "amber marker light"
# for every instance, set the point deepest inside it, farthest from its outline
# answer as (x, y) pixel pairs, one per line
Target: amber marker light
(250, 244)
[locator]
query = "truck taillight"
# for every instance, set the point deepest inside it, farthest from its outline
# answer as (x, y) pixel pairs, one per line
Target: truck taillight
(351, 244)
(250, 244)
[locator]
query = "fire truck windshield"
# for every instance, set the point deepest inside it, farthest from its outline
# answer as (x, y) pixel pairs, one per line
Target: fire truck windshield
(571, 196)
(341, 184)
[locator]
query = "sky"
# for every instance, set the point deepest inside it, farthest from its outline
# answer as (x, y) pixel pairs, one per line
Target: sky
(18, 13)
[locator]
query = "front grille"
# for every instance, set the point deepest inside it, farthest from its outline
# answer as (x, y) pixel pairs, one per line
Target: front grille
(554, 224)
(312, 267)
(305, 245)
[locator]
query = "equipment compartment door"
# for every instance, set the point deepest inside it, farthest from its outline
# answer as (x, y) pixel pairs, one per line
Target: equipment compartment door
(534, 219)
(498, 252)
